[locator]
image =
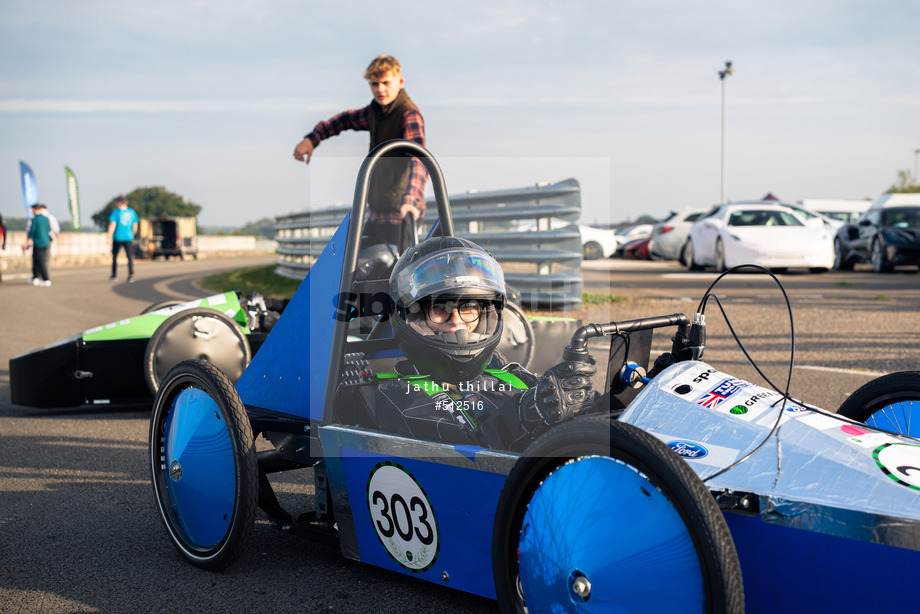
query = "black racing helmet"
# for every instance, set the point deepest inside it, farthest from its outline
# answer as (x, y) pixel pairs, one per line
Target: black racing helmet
(447, 271)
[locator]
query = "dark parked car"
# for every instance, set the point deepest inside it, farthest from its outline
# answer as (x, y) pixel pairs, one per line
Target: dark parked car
(887, 235)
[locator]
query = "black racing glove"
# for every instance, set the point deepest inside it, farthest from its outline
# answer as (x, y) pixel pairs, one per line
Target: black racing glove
(563, 392)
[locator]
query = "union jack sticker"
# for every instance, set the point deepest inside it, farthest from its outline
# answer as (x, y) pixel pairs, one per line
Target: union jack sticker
(721, 392)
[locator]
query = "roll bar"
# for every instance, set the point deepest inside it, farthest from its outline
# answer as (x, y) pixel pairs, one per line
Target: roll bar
(356, 225)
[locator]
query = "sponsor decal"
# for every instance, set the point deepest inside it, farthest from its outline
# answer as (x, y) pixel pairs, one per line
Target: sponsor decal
(704, 376)
(900, 462)
(764, 394)
(795, 409)
(721, 392)
(402, 516)
(688, 449)
(739, 410)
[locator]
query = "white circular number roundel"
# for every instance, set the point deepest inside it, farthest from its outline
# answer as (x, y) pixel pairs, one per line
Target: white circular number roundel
(402, 516)
(901, 462)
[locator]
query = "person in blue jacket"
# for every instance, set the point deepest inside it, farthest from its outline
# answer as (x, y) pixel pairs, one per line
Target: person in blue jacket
(123, 225)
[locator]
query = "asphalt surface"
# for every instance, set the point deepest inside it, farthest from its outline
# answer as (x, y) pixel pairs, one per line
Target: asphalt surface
(79, 531)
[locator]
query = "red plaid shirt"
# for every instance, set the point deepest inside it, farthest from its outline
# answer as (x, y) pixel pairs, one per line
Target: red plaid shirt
(413, 130)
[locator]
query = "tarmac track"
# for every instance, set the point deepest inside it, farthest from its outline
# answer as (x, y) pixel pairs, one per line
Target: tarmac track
(79, 531)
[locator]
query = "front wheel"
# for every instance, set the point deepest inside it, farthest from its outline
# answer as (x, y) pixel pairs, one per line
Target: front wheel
(720, 256)
(888, 403)
(841, 263)
(203, 465)
(596, 514)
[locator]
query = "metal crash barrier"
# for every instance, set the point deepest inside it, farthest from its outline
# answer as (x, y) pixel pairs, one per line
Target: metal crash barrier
(541, 258)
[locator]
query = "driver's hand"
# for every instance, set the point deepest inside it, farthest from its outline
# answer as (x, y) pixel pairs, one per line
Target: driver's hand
(304, 151)
(563, 392)
(407, 210)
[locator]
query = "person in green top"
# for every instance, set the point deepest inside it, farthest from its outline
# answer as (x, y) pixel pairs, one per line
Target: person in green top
(39, 240)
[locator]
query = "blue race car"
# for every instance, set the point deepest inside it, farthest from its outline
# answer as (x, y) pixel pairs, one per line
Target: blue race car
(691, 491)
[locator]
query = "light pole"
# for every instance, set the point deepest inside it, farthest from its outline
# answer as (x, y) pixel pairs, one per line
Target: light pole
(722, 75)
(916, 177)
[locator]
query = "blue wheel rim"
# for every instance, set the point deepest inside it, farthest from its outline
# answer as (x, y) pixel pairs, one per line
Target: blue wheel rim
(197, 442)
(897, 418)
(600, 519)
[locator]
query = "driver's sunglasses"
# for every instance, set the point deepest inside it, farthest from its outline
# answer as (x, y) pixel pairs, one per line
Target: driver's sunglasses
(469, 311)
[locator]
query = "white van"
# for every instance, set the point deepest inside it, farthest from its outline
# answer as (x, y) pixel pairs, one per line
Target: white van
(840, 210)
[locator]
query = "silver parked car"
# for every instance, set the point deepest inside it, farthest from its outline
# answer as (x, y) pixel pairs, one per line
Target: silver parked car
(669, 237)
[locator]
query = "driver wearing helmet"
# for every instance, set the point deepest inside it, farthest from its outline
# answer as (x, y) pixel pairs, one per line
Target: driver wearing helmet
(454, 386)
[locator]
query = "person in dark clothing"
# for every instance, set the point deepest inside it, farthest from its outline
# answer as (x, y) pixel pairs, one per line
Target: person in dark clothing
(397, 186)
(39, 240)
(454, 386)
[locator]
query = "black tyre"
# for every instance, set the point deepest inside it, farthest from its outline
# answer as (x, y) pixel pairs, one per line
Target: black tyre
(689, 260)
(720, 256)
(682, 257)
(879, 258)
(160, 305)
(203, 465)
(200, 333)
(518, 343)
(593, 250)
(888, 402)
(841, 263)
(598, 515)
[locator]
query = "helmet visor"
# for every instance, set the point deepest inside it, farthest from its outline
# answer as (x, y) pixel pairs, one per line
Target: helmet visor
(448, 271)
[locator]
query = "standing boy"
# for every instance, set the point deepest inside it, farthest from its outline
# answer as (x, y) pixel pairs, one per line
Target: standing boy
(397, 185)
(122, 227)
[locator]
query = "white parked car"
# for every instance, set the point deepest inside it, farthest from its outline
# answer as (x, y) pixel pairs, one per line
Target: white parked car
(758, 232)
(669, 237)
(597, 242)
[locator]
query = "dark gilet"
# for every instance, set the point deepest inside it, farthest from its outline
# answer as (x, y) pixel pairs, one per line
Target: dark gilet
(391, 174)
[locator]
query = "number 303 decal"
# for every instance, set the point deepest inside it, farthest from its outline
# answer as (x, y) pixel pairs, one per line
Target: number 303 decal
(402, 516)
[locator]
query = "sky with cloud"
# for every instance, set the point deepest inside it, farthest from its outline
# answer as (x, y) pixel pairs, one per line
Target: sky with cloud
(209, 98)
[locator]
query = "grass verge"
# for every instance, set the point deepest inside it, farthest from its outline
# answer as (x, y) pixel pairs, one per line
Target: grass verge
(257, 279)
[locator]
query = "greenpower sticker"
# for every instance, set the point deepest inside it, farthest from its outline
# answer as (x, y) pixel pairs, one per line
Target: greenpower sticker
(900, 462)
(402, 516)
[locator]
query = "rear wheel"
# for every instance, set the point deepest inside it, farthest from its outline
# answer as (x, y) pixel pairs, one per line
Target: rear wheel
(160, 305)
(196, 333)
(689, 261)
(878, 257)
(593, 250)
(203, 465)
(888, 402)
(596, 514)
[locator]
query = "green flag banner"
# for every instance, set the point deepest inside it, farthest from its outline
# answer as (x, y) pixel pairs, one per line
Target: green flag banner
(73, 197)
